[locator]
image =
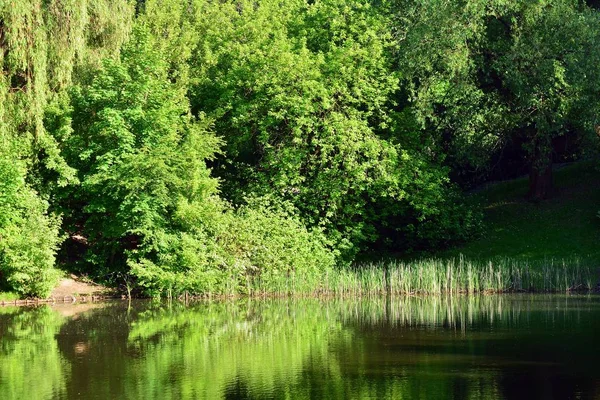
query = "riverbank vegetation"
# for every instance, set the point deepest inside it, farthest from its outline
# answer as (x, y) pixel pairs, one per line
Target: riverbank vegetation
(240, 147)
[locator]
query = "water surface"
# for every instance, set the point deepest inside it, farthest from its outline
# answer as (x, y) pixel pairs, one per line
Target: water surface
(414, 348)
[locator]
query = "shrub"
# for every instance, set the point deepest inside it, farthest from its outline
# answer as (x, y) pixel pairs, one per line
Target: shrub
(28, 235)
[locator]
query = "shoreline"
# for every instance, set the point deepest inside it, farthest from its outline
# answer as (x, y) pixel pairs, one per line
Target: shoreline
(273, 296)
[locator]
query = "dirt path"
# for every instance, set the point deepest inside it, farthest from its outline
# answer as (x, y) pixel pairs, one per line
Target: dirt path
(74, 286)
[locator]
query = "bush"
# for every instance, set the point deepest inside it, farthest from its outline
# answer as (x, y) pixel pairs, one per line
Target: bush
(274, 249)
(253, 249)
(28, 235)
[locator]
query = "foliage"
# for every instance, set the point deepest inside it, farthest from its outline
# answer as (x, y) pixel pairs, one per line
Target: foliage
(41, 44)
(438, 44)
(302, 97)
(28, 236)
(485, 74)
(139, 154)
(252, 250)
(240, 146)
(147, 200)
(273, 238)
(9, 296)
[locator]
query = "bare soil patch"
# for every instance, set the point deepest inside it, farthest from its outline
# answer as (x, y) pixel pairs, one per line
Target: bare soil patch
(74, 286)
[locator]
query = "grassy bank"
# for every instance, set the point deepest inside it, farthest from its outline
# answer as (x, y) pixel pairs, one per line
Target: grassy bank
(563, 227)
(424, 277)
(551, 246)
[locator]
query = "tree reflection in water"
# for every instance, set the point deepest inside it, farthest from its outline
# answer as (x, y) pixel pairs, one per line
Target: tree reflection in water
(415, 347)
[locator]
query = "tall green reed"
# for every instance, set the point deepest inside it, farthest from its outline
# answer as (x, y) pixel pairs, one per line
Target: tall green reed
(436, 276)
(425, 276)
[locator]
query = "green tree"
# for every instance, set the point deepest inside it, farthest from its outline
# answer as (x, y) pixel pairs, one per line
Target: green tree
(138, 153)
(42, 44)
(147, 205)
(544, 55)
(482, 74)
(302, 96)
(28, 235)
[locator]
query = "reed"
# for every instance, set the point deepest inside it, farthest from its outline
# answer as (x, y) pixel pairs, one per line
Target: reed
(436, 276)
(423, 277)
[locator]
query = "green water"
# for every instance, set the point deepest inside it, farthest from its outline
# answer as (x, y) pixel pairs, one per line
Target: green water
(399, 348)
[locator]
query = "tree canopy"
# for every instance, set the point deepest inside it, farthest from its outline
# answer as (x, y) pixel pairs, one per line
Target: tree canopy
(205, 146)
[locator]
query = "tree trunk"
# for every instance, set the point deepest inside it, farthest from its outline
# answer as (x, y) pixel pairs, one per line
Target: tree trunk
(540, 177)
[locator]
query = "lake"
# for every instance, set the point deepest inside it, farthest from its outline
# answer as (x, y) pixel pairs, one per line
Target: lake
(478, 347)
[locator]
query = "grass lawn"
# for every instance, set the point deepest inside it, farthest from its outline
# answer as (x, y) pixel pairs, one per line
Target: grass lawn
(564, 227)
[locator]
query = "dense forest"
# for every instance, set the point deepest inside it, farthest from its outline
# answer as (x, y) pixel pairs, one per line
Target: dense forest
(203, 145)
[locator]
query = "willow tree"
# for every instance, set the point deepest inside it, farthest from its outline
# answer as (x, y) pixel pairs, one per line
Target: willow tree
(42, 44)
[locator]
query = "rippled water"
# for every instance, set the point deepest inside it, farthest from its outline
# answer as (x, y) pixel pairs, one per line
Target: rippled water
(416, 348)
